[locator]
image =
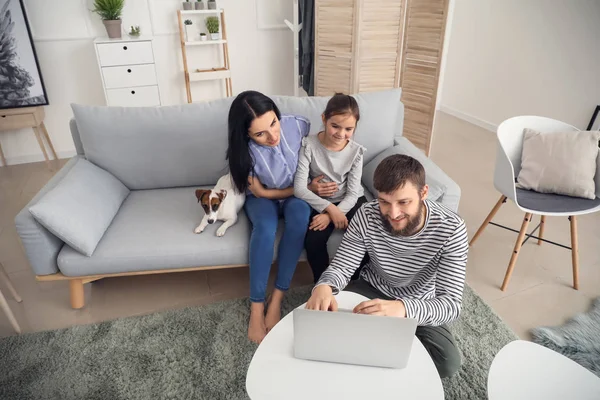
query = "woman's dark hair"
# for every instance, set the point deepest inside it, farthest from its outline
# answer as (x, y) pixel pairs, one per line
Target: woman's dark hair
(341, 104)
(245, 108)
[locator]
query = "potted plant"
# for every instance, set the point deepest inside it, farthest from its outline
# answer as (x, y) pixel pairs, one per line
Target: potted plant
(203, 36)
(212, 25)
(189, 34)
(212, 5)
(135, 31)
(110, 11)
(199, 5)
(187, 5)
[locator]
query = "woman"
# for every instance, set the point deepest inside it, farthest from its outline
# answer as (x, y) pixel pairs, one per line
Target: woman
(263, 155)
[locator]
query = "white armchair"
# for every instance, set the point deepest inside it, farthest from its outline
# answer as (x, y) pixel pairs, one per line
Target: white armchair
(508, 166)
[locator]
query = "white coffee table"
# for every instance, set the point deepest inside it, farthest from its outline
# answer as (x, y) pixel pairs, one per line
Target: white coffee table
(525, 370)
(274, 373)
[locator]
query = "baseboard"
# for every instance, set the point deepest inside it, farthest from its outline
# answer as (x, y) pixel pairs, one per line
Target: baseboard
(31, 158)
(469, 118)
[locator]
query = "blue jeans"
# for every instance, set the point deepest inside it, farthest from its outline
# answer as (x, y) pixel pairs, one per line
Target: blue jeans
(264, 215)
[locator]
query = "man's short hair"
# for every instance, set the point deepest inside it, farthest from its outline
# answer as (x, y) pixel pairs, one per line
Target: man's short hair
(394, 171)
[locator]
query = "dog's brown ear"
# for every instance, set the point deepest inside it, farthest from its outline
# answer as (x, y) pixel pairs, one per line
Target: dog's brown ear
(200, 193)
(222, 194)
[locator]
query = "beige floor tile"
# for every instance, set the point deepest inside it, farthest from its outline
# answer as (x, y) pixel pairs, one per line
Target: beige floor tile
(547, 304)
(229, 280)
(134, 295)
(12, 254)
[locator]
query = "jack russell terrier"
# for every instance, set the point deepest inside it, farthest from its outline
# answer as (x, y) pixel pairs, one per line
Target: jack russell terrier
(222, 203)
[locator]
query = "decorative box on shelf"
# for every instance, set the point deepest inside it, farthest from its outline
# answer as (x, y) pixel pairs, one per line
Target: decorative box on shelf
(128, 71)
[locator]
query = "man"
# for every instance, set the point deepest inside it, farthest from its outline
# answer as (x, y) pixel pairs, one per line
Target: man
(418, 253)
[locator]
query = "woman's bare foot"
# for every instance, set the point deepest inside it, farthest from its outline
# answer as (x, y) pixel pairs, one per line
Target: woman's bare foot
(274, 309)
(256, 328)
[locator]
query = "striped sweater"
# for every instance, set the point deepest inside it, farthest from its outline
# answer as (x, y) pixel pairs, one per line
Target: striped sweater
(426, 271)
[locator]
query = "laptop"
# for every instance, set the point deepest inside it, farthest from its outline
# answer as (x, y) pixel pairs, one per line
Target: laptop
(344, 337)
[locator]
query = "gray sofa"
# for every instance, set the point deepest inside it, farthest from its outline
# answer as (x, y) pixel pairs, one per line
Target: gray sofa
(162, 155)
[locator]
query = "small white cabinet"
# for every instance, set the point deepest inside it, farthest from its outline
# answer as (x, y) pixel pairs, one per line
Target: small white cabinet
(128, 71)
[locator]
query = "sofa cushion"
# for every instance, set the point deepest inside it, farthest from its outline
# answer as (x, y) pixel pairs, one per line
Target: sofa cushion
(381, 117)
(157, 147)
(436, 188)
(154, 230)
(180, 146)
(81, 206)
(41, 246)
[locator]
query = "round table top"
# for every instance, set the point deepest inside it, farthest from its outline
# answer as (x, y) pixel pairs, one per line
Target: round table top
(525, 370)
(274, 372)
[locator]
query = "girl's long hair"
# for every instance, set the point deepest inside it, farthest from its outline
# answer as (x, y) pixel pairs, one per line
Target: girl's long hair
(245, 108)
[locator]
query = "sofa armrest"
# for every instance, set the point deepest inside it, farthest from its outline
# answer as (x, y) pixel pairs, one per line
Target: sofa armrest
(41, 246)
(451, 197)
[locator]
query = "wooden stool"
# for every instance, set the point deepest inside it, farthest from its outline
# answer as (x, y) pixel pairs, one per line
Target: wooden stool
(4, 303)
(27, 117)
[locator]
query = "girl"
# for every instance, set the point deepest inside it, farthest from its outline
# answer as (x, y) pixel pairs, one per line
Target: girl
(263, 155)
(330, 156)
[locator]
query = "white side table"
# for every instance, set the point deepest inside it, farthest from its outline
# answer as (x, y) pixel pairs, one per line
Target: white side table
(4, 303)
(525, 370)
(274, 373)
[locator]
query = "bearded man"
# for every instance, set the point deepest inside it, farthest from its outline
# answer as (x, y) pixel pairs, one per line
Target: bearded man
(417, 252)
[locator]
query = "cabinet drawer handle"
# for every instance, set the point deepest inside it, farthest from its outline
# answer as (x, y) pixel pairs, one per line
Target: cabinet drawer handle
(129, 70)
(124, 47)
(133, 92)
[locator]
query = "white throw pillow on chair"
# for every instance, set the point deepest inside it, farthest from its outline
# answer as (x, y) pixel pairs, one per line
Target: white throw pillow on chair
(559, 162)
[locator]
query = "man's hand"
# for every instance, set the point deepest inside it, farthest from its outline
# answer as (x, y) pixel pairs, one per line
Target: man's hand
(325, 189)
(390, 308)
(319, 222)
(337, 217)
(322, 299)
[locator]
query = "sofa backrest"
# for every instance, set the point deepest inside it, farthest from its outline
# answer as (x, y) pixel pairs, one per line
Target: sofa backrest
(185, 145)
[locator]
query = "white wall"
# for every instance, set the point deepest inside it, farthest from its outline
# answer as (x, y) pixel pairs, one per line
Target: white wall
(63, 31)
(515, 57)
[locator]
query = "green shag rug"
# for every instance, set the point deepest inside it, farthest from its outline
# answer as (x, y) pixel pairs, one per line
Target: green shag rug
(194, 353)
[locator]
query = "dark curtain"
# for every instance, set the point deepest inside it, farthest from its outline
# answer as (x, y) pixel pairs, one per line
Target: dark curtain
(307, 45)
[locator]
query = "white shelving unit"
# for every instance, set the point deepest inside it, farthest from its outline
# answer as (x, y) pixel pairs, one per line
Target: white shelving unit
(195, 75)
(204, 42)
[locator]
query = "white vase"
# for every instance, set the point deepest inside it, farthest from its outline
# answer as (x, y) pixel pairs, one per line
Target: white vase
(189, 33)
(203, 38)
(215, 36)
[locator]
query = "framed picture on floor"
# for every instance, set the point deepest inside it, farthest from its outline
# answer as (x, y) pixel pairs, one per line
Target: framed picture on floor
(594, 124)
(21, 83)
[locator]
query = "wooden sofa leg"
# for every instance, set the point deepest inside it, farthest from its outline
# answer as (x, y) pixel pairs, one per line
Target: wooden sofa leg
(77, 294)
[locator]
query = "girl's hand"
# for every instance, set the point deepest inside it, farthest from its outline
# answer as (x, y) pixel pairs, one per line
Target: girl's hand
(322, 189)
(337, 217)
(319, 222)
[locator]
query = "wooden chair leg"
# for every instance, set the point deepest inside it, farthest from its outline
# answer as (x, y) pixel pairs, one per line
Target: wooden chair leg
(4, 277)
(542, 224)
(45, 132)
(9, 313)
(488, 219)
(515, 255)
(574, 252)
(77, 294)
(38, 136)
